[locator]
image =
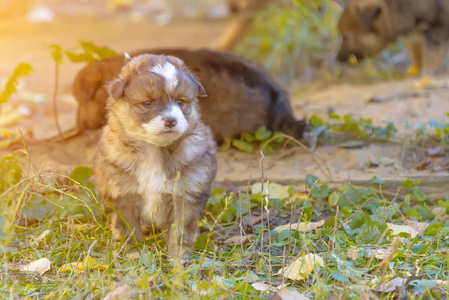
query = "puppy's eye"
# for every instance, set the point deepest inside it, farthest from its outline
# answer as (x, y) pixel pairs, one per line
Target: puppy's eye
(180, 102)
(147, 103)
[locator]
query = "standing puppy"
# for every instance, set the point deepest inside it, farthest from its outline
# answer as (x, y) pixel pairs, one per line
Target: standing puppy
(368, 26)
(154, 133)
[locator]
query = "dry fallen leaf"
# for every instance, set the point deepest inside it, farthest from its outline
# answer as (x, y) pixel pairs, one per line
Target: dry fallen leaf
(41, 266)
(253, 219)
(260, 286)
(438, 210)
(397, 229)
(353, 253)
(304, 265)
(286, 294)
(302, 227)
(121, 292)
(377, 161)
(274, 190)
(418, 226)
(390, 286)
(236, 240)
(378, 253)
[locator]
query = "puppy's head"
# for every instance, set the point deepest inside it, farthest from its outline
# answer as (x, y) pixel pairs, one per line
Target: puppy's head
(155, 99)
(365, 26)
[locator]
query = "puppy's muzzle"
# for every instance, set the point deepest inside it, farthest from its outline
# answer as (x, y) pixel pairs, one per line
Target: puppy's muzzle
(170, 122)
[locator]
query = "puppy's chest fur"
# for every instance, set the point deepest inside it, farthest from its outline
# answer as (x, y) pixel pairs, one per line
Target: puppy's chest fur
(152, 170)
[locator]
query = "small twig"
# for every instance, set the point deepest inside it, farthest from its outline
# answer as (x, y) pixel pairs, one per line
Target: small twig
(241, 221)
(55, 95)
(261, 197)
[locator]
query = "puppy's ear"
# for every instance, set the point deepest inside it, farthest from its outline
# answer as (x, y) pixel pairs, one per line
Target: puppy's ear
(369, 13)
(116, 87)
(201, 90)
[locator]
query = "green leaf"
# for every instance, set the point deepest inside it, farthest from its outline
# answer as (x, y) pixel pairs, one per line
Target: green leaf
(311, 179)
(279, 139)
(378, 180)
(81, 173)
(419, 195)
(243, 146)
(2, 230)
(320, 192)
(334, 198)
(268, 150)
(10, 171)
(408, 184)
(334, 116)
(226, 145)
(10, 86)
(56, 53)
(262, 134)
(316, 121)
(247, 137)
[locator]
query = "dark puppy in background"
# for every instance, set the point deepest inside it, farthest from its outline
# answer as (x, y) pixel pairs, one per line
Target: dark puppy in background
(368, 26)
(156, 159)
(241, 96)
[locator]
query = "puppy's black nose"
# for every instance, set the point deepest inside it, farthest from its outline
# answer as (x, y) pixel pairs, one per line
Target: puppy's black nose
(170, 122)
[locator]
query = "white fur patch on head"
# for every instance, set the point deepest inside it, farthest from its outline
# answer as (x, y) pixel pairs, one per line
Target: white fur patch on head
(168, 71)
(161, 135)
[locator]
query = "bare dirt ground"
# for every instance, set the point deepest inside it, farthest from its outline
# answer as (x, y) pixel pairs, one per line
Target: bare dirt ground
(25, 42)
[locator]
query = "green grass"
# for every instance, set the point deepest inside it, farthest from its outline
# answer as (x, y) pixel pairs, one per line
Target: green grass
(57, 217)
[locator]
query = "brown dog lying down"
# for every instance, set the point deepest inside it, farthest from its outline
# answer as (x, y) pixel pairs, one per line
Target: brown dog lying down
(241, 96)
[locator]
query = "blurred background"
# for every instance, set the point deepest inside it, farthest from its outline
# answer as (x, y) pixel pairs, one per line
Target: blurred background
(295, 40)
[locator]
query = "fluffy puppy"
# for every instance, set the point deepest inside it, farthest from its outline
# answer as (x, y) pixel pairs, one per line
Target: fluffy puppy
(156, 159)
(241, 95)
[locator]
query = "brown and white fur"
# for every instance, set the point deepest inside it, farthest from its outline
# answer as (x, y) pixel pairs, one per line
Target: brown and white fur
(368, 26)
(156, 159)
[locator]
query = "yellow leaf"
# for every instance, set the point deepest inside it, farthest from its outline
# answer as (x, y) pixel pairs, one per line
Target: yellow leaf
(302, 227)
(77, 267)
(413, 70)
(41, 266)
(7, 134)
(423, 83)
(10, 119)
(302, 196)
(302, 267)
